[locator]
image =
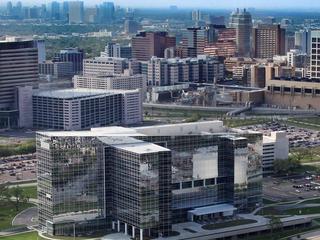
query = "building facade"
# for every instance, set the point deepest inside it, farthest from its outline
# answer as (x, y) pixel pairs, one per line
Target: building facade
(104, 66)
(142, 180)
(242, 22)
(268, 41)
(18, 67)
(163, 72)
(75, 109)
(74, 55)
(125, 82)
(148, 44)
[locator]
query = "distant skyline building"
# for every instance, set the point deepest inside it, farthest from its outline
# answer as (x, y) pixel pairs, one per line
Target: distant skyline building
(241, 20)
(76, 12)
(268, 41)
(106, 12)
(148, 44)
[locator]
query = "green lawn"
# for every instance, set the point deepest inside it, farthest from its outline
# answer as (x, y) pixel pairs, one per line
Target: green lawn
(214, 226)
(30, 191)
(295, 211)
(267, 201)
(236, 122)
(23, 236)
(8, 212)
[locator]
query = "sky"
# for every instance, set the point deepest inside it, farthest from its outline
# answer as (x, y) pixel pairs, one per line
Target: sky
(213, 4)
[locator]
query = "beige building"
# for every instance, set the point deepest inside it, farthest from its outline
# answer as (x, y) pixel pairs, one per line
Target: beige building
(293, 93)
(268, 41)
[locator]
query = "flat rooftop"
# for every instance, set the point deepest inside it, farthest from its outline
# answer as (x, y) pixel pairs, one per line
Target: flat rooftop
(132, 145)
(71, 93)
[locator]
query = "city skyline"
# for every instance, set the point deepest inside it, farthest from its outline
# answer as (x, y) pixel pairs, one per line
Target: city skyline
(201, 4)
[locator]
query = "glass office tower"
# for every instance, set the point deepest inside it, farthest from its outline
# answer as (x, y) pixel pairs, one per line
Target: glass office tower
(120, 179)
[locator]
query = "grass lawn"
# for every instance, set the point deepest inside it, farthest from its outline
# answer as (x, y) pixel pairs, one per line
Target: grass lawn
(30, 191)
(304, 123)
(295, 211)
(302, 211)
(316, 201)
(267, 201)
(8, 212)
(214, 226)
(23, 236)
(236, 122)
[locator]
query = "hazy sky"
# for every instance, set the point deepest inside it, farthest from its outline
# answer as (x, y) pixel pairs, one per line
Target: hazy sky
(267, 4)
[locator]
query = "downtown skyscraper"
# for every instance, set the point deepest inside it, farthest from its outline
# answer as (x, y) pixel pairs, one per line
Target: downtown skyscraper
(242, 22)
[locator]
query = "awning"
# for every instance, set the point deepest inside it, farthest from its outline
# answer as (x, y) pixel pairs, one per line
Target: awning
(220, 208)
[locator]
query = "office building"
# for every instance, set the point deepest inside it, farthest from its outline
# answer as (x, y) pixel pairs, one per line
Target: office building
(303, 40)
(195, 39)
(76, 109)
(76, 12)
(163, 72)
(148, 44)
(297, 58)
(275, 148)
(268, 41)
(115, 50)
(225, 44)
(18, 67)
(125, 82)
(74, 55)
(104, 66)
(141, 181)
(315, 54)
(91, 15)
(242, 22)
(56, 69)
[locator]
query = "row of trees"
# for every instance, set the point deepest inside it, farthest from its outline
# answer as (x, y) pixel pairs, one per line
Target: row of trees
(14, 196)
(18, 149)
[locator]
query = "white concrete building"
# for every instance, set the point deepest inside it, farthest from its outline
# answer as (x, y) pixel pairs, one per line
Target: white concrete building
(275, 147)
(76, 109)
(103, 66)
(123, 81)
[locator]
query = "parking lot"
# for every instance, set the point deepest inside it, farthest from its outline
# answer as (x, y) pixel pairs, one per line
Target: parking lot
(291, 189)
(298, 137)
(18, 168)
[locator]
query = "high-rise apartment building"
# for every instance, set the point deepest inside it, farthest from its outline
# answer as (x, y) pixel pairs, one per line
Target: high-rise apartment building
(140, 181)
(148, 44)
(242, 22)
(268, 41)
(76, 12)
(18, 67)
(74, 55)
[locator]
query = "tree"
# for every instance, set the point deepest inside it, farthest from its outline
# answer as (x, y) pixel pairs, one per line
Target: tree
(274, 224)
(18, 196)
(286, 166)
(4, 193)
